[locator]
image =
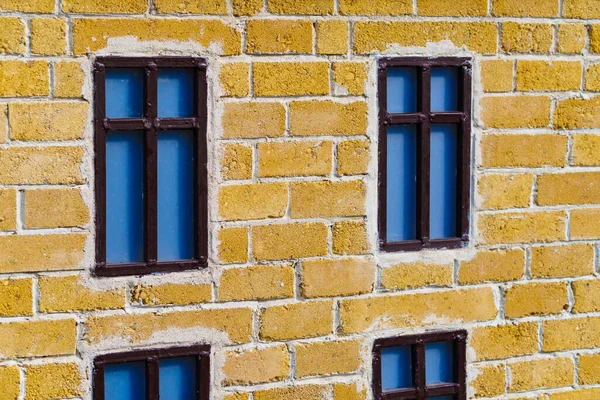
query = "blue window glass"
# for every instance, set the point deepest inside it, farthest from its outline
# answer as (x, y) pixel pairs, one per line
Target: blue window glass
(439, 362)
(177, 378)
(396, 367)
(401, 90)
(444, 89)
(125, 381)
(443, 181)
(175, 92)
(124, 92)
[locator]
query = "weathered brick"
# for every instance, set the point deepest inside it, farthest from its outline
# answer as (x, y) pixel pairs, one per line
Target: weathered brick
(253, 366)
(233, 244)
(247, 8)
(538, 298)
(310, 7)
(24, 79)
(493, 266)
(268, 36)
(569, 334)
(277, 159)
(68, 293)
(349, 391)
(585, 223)
(38, 338)
(51, 208)
(234, 79)
(581, 9)
(516, 8)
(191, 6)
(236, 162)
(105, 6)
(490, 381)
(327, 358)
(500, 191)
(587, 296)
(277, 242)
(48, 36)
(332, 37)
(570, 188)
(237, 395)
(38, 6)
(454, 8)
(3, 122)
(291, 78)
(28, 253)
(260, 282)
(561, 261)
(527, 227)
(41, 165)
(8, 209)
(349, 78)
(497, 75)
(498, 151)
(412, 275)
(16, 298)
(543, 75)
(47, 121)
(350, 237)
(353, 157)
(502, 341)
(577, 113)
(328, 118)
(586, 149)
(253, 201)
(541, 373)
(526, 38)
(589, 369)
(594, 32)
(515, 111)
(12, 38)
(53, 381)
(328, 199)
(68, 79)
(298, 320)
(571, 38)
(10, 382)
(171, 293)
(253, 120)
(592, 78)
(581, 394)
(299, 392)
(376, 7)
(352, 276)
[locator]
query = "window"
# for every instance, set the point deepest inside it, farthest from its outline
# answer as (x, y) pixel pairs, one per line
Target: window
(150, 164)
(424, 152)
(171, 374)
(427, 366)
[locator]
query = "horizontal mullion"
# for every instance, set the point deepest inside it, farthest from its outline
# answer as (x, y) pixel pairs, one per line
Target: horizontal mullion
(421, 61)
(445, 242)
(146, 268)
(408, 118)
(125, 124)
(400, 394)
(177, 123)
(413, 245)
(446, 117)
(441, 389)
(141, 62)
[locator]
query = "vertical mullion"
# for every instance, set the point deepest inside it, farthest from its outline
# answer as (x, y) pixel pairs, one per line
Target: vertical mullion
(100, 162)
(382, 176)
(201, 173)
(152, 381)
(151, 184)
(461, 366)
(423, 154)
(464, 156)
(419, 368)
(98, 377)
(203, 376)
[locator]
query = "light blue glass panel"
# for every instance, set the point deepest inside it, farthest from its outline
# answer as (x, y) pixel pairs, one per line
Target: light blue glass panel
(124, 197)
(177, 378)
(401, 90)
(124, 92)
(175, 92)
(444, 89)
(175, 195)
(443, 196)
(401, 183)
(125, 381)
(396, 367)
(439, 362)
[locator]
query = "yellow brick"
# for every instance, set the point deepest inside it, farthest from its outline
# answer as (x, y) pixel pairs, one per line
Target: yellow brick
(587, 296)
(267, 36)
(38, 338)
(47, 121)
(24, 79)
(276, 242)
(253, 201)
(8, 210)
(295, 321)
(571, 38)
(299, 392)
(454, 8)
(539, 298)
(585, 223)
(418, 309)
(328, 199)
(92, 34)
(10, 382)
(497, 75)
(376, 7)
(68, 79)
(351, 276)
(502, 341)
(327, 358)
(594, 32)
(515, 112)
(516, 8)
(53, 381)
(377, 36)
(171, 293)
(12, 37)
(37, 6)
(570, 188)
(332, 37)
(3, 123)
(190, 6)
(526, 38)
(581, 9)
(578, 113)
(499, 191)
(561, 261)
(577, 333)
(236, 162)
(253, 366)
(41, 165)
(308, 7)
(260, 282)
(247, 8)
(589, 369)
(105, 6)
(291, 78)
(51, 208)
(349, 391)
(277, 159)
(543, 75)
(586, 149)
(16, 297)
(253, 120)
(411, 275)
(592, 78)
(30, 253)
(493, 266)
(350, 237)
(527, 227)
(233, 245)
(490, 381)
(48, 36)
(238, 395)
(69, 293)
(349, 78)
(541, 373)
(353, 157)
(523, 150)
(234, 79)
(328, 118)
(582, 394)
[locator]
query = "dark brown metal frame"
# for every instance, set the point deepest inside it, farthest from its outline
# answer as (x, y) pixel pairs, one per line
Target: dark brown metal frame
(151, 124)
(152, 358)
(421, 390)
(423, 119)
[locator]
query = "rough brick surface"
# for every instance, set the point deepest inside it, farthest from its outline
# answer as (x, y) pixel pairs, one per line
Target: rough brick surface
(567, 334)
(277, 242)
(8, 209)
(52, 381)
(48, 36)
(10, 382)
(19, 79)
(573, 188)
(278, 159)
(12, 38)
(559, 261)
(500, 191)
(252, 120)
(291, 78)
(261, 282)
(490, 381)
(555, 76)
(38, 338)
(349, 77)
(234, 79)
(515, 112)
(332, 37)
(493, 265)
(589, 369)
(41, 252)
(571, 38)
(327, 358)
(256, 365)
(67, 293)
(497, 75)
(515, 8)
(68, 79)
(405, 276)
(327, 118)
(526, 38)
(298, 320)
(525, 227)
(233, 244)
(350, 237)
(242, 202)
(327, 199)
(540, 298)
(353, 276)
(279, 36)
(171, 293)
(17, 298)
(585, 223)
(51, 208)
(502, 341)
(546, 372)
(587, 296)
(577, 113)
(236, 162)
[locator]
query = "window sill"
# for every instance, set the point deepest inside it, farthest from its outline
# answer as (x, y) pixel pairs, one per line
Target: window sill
(144, 268)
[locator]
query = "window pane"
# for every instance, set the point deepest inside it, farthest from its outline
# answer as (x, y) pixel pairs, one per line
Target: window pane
(124, 197)
(175, 195)
(401, 183)
(439, 362)
(125, 381)
(444, 89)
(176, 92)
(401, 90)
(443, 195)
(396, 367)
(177, 378)
(124, 92)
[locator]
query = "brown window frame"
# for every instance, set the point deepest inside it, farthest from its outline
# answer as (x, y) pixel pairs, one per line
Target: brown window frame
(422, 391)
(151, 124)
(152, 358)
(423, 119)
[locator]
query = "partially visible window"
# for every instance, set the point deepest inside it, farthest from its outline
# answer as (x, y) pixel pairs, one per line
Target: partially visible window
(167, 374)
(427, 366)
(424, 152)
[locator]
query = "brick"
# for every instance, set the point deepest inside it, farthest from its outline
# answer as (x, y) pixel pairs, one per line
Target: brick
(350, 237)
(278, 242)
(497, 75)
(41, 165)
(375, 7)
(377, 36)
(28, 253)
(247, 8)
(291, 78)
(562, 261)
(489, 381)
(541, 373)
(589, 369)
(68, 79)
(253, 366)
(502, 341)
(586, 149)
(501, 191)
(12, 38)
(581, 9)
(512, 150)
(418, 309)
(582, 394)
(16, 297)
(24, 79)
(454, 8)
(585, 223)
(238, 395)
(310, 7)
(539, 298)
(493, 266)
(191, 6)
(594, 32)
(48, 36)
(570, 334)
(412, 275)
(38, 6)
(349, 391)
(592, 78)
(105, 6)
(69, 293)
(353, 157)
(543, 75)
(327, 199)
(351, 276)
(10, 382)
(260, 282)
(526, 227)
(297, 320)
(47, 121)
(573, 188)
(52, 208)
(279, 159)
(234, 79)
(3, 123)
(53, 381)
(92, 34)
(349, 78)
(515, 8)
(587, 296)
(526, 38)
(571, 38)
(577, 113)
(253, 120)
(253, 201)
(38, 338)
(268, 36)
(332, 37)
(316, 117)
(299, 392)
(171, 294)
(515, 112)
(327, 358)
(233, 244)
(8, 210)
(236, 162)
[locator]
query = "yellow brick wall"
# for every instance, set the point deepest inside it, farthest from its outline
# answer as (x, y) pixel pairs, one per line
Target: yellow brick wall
(296, 290)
